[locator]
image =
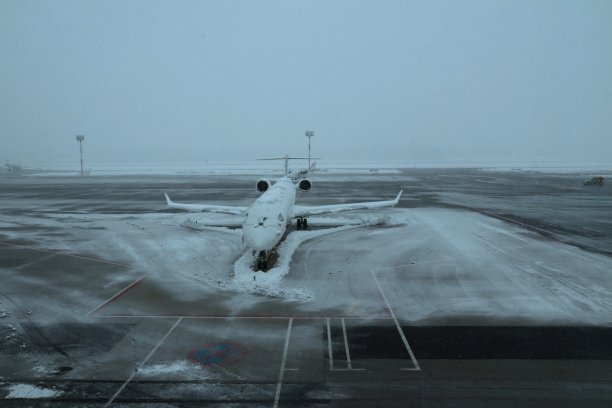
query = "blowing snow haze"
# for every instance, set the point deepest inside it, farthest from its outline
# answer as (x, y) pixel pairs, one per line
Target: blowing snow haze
(164, 81)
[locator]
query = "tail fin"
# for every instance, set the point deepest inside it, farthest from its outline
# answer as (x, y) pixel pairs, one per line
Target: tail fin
(168, 200)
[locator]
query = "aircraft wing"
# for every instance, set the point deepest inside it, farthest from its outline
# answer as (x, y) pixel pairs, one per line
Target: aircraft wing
(221, 209)
(303, 211)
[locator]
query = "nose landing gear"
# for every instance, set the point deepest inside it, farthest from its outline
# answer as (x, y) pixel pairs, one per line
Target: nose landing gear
(262, 261)
(265, 260)
(302, 224)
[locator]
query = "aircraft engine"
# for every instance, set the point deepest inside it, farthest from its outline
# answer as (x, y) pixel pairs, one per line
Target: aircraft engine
(262, 185)
(305, 185)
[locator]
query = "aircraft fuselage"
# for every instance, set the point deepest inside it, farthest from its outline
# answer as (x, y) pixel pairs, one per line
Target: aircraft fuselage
(267, 218)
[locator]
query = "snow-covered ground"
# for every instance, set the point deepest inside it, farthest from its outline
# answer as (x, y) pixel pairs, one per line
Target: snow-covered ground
(435, 263)
(101, 283)
(29, 391)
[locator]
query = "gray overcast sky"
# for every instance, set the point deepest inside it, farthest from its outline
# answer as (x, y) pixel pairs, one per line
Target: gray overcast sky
(184, 81)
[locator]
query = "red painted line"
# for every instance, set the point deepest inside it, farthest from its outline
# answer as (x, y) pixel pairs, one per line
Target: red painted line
(119, 294)
(560, 237)
(244, 317)
(65, 254)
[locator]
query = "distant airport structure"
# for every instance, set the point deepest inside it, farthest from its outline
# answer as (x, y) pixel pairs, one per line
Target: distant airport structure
(13, 168)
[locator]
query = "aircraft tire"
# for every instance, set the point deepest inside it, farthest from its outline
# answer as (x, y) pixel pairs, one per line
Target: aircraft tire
(299, 224)
(305, 224)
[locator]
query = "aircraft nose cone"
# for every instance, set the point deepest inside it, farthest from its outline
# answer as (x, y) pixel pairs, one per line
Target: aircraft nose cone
(261, 238)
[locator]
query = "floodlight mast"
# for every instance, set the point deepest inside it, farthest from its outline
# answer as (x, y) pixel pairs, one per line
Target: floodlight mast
(309, 134)
(80, 139)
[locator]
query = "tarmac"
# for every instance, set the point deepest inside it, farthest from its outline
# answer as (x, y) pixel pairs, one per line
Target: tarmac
(483, 289)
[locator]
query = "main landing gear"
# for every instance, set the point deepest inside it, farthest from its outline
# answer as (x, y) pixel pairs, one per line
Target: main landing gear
(302, 224)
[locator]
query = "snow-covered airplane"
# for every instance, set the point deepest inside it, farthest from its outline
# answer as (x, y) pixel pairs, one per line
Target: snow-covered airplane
(266, 220)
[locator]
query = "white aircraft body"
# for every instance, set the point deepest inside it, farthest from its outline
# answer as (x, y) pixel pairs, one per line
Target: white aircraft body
(266, 220)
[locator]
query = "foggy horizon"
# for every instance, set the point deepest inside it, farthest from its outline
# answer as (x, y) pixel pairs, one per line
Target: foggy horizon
(187, 82)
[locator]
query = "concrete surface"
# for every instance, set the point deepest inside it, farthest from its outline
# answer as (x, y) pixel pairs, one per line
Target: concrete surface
(489, 288)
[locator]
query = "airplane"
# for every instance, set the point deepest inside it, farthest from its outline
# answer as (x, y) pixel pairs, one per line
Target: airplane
(266, 220)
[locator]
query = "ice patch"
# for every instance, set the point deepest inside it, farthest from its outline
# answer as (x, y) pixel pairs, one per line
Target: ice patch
(30, 391)
(175, 367)
(40, 370)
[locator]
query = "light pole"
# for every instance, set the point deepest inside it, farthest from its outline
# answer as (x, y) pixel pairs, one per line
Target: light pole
(80, 139)
(309, 134)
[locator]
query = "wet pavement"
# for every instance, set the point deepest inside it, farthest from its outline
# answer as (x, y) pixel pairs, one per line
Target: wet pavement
(494, 290)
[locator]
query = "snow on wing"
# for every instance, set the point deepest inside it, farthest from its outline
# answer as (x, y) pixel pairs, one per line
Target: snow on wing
(221, 209)
(303, 211)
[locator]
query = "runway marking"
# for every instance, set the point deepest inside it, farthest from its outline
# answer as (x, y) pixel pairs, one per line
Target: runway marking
(593, 230)
(65, 254)
(143, 362)
(346, 348)
(228, 372)
(501, 251)
(390, 268)
(561, 238)
(330, 352)
(281, 374)
(329, 347)
(416, 367)
(195, 316)
(121, 293)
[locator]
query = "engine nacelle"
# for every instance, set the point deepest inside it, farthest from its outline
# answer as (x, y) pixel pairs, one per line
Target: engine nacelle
(262, 185)
(305, 185)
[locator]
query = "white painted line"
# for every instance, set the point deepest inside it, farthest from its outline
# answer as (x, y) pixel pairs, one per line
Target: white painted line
(282, 369)
(226, 371)
(349, 369)
(390, 268)
(416, 367)
(346, 348)
(330, 354)
(329, 347)
(593, 229)
(412, 264)
(143, 362)
(490, 245)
